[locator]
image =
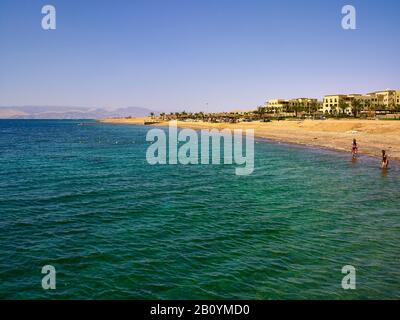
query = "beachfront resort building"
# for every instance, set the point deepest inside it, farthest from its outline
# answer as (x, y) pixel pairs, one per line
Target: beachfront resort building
(342, 103)
(289, 105)
(385, 100)
(277, 105)
(331, 103)
(303, 103)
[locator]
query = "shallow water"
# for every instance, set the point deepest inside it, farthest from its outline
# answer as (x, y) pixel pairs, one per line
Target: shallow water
(83, 199)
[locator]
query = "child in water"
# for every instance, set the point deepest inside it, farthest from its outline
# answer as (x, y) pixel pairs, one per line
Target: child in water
(385, 160)
(354, 149)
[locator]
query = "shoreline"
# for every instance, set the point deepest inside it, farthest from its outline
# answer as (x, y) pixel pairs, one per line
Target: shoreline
(372, 135)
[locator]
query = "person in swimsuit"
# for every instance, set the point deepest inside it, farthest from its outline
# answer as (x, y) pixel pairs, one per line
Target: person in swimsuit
(354, 149)
(385, 160)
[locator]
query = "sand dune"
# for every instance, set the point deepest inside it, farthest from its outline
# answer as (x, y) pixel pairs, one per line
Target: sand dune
(372, 135)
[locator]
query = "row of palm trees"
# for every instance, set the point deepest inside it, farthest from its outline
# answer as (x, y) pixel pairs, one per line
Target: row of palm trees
(263, 113)
(203, 116)
(356, 107)
(260, 114)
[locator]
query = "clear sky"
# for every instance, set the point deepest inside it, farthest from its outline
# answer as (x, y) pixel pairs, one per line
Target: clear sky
(194, 54)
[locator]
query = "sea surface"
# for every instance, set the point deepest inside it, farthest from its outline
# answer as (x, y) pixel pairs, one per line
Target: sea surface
(80, 196)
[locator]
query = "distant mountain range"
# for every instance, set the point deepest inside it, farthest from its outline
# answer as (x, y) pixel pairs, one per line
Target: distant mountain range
(49, 112)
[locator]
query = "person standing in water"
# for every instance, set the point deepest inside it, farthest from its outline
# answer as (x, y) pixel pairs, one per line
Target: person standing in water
(354, 149)
(385, 160)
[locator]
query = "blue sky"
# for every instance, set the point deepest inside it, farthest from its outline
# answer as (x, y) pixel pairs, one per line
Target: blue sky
(194, 55)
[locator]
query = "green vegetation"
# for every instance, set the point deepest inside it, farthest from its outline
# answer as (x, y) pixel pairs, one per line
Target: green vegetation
(313, 110)
(356, 107)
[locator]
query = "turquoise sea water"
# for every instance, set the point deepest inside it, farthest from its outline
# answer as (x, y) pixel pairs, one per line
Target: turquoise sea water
(83, 199)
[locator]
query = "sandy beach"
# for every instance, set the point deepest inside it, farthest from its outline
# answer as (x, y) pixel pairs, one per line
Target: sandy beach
(372, 135)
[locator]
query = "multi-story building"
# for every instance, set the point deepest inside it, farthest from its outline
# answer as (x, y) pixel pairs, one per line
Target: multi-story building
(303, 102)
(385, 99)
(343, 103)
(283, 105)
(331, 103)
(278, 105)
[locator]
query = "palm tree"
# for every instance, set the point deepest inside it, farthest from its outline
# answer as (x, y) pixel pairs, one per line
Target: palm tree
(312, 107)
(367, 105)
(355, 107)
(369, 108)
(261, 112)
(298, 107)
(342, 106)
(292, 107)
(152, 115)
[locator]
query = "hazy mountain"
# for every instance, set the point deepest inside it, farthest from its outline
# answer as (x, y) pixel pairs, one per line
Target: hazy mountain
(61, 112)
(6, 113)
